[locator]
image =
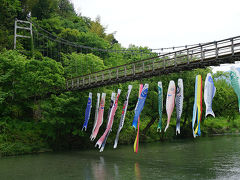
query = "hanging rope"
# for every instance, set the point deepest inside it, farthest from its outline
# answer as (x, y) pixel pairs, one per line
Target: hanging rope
(87, 49)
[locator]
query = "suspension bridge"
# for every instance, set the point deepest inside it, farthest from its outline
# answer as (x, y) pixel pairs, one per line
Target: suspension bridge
(210, 54)
(187, 58)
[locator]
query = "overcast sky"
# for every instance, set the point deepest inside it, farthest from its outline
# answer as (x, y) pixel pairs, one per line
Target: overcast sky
(165, 23)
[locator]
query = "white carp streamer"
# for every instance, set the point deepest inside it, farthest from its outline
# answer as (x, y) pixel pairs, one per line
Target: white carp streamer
(124, 111)
(96, 112)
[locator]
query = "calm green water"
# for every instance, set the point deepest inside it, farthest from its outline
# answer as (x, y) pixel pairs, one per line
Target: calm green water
(203, 158)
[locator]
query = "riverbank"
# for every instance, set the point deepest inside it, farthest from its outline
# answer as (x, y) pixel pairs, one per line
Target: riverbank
(27, 137)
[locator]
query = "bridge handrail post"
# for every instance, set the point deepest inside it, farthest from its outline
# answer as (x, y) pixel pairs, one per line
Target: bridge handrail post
(175, 59)
(153, 65)
(96, 78)
(83, 81)
(143, 68)
(232, 46)
(72, 84)
(125, 71)
(67, 84)
(187, 56)
(102, 76)
(110, 75)
(201, 52)
(117, 73)
(216, 49)
(78, 82)
(134, 69)
(89, 82)
(164, 62)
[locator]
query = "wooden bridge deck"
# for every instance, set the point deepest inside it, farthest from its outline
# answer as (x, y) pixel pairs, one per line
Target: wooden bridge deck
(203, 55)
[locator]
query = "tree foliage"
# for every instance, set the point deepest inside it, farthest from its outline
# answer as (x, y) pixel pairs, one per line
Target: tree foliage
(29, 115)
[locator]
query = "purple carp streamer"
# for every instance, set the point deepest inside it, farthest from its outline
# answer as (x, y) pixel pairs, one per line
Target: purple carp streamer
(88, 112)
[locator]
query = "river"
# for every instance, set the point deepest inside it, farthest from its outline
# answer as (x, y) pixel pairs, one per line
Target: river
(215, 157)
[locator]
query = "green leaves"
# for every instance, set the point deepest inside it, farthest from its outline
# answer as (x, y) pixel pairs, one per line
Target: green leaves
(80, 64)
(46, 76)
(20, 77)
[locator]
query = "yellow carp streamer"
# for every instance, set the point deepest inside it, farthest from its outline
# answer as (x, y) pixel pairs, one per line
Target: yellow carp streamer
(197, 108)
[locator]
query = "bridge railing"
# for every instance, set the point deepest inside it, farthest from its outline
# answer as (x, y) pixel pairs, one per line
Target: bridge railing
(202, 52)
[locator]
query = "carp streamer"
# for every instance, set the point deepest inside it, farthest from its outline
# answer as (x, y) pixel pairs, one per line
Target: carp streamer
(102, 141)
(140, 104)
(170, 102)
(235, 82)
(160, 105)
(197, 107)
(87, 112)
(179, 104)
(209, 93)
(124, 111)
(100, 117)
(96, 112)
(139, 107)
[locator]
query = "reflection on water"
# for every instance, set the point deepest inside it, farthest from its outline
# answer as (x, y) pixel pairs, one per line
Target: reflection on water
(98, 169)
(202, 158)
(116, 170)
(137, 171)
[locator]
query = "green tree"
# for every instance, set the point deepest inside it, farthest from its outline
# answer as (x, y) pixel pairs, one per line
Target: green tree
(44, 9)
(66, 8)
(9, 10)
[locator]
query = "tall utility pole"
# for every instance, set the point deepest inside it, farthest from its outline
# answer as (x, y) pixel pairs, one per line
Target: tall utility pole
(28, 28)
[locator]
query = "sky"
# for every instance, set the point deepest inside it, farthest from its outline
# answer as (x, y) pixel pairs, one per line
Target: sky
(164, 23)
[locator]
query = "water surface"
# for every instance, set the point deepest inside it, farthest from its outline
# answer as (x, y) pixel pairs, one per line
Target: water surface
(202, 158)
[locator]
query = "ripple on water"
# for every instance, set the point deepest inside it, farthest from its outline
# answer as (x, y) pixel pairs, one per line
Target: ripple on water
(202, 158)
